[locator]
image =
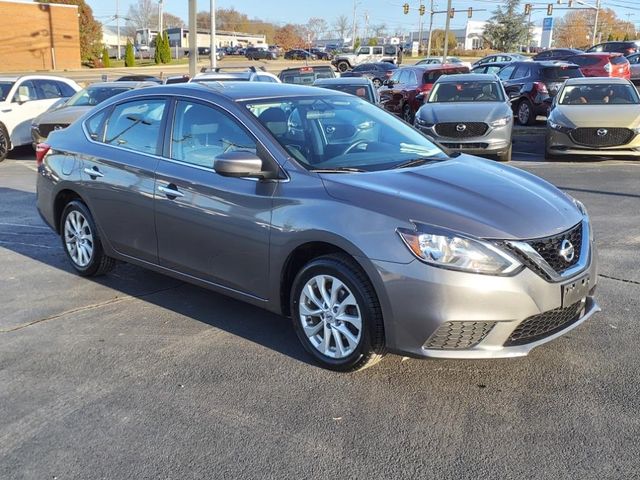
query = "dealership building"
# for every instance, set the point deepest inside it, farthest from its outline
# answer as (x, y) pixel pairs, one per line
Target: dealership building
(179, 37)
(39, 36)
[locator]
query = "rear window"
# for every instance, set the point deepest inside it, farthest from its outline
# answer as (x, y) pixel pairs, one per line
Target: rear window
(361, 91)
(433, 75)
(305, 76)
(4, 89)
(560, 73)
(585, 61)
(618, 60)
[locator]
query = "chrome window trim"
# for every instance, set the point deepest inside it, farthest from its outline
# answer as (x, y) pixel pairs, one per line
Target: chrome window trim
(582, 264)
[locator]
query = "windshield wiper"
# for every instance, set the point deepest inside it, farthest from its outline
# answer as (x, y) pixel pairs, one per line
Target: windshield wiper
(338, 170)
(415, 162)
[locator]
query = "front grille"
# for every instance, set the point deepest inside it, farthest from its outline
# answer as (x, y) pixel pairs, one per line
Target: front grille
(461, 129)
(544, 324)
(549, 248)
(458, 335)
(478, 145)
(46, 128)
(601, 137)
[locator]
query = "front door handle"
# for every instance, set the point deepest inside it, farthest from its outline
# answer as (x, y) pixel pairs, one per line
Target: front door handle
(170, 191)
(94, 172)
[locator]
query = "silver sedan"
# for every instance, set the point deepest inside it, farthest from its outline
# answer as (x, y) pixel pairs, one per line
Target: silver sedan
(470, 114)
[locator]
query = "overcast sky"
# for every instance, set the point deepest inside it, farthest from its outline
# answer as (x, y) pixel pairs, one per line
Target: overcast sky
(380, 11)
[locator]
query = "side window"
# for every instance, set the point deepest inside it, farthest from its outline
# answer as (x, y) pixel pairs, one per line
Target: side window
(200, 133)
(48, 89)
(506, 72)
(136, 125)
(265, 78)
(95, 125)
(364, 51)
(543, 55)
(521, 72)
(396, 76)
(66, 89)
(377, 50)
(26, 92)
(413, 80)
(405, 76)
(362, 68)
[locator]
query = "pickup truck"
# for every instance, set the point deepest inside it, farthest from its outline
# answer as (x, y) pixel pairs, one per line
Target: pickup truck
(367, 54)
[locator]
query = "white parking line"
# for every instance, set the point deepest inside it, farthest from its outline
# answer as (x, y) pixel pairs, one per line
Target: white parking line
(24, 225)
(26, 244)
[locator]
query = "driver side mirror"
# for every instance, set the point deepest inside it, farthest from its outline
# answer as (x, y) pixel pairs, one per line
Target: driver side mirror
(239, 164)
(22, 95)
(513, 94)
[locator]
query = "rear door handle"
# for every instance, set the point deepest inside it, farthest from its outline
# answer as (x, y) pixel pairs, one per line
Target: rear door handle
(94, 172)
(170, 191)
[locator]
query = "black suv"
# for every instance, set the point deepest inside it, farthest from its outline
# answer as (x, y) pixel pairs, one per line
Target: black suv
(625, 48)
(378, 72)
(556, 54)
(253, 53)
(531, 86)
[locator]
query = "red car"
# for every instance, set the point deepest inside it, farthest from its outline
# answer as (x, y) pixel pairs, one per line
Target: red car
(602, 64)
(399, 93)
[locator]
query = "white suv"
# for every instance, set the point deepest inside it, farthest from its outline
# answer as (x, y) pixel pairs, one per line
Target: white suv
(24, 98)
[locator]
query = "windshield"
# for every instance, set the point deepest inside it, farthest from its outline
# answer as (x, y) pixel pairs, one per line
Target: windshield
(466, 92)
(361, 91)
(599, 94)
(342, 132)
(4, 89)
(94, 96)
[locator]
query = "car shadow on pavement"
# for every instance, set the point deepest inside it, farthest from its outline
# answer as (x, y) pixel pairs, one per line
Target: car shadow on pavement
(24, 233)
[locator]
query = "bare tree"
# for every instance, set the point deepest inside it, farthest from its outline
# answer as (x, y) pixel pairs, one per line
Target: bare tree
(341, 26)
(317, 27)
(380, 30)
(143, 14)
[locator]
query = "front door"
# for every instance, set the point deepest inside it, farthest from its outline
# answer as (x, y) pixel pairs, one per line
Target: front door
(212, 227)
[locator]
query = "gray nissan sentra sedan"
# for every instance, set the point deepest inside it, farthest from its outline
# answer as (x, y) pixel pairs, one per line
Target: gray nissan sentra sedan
(319, 206)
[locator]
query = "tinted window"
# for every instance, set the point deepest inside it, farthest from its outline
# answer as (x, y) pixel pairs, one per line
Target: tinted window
(521, 72)
(506, 72)
(362, 68)
(585, 61)
(95, 125)
(361, 91)
(94, 95)
(560, 73)
(200, 133)
(389, 50)
(136, 125)
(632, 59)
(543, 55)
(5, 87)
(618, 60)
(48, 89)
(364, 51)
(66, 90)
(377, 50)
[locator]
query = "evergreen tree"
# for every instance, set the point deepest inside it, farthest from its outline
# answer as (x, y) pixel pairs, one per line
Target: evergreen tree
(106, 61)
(166, 48)
(508, 27)
(129, 58)
(157, 54)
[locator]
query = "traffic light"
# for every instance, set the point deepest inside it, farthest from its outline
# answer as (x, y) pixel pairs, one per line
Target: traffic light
(452, 12)
(405, 7)
(527, 9)
(422, 9)
(550, 9)
(470, 12)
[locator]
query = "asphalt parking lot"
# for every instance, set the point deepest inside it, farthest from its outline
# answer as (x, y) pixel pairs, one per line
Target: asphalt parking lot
(136, 375)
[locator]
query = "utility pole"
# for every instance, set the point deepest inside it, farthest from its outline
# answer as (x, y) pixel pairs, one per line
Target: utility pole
(595, 23)
(213, 48)
(118, 28)
(446, 32)
(353, 31)
(193, 37)
(159, 17)
(366, 25)
(529, 32)
(420, 29)
(430, 29)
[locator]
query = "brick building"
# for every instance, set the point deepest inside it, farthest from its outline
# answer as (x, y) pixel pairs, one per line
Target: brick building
(38, 36)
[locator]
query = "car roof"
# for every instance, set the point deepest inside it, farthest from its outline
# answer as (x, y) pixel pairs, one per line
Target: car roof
(15, 78)
(343, 81)
(597, 80)
(468, 77)
(123, 84)
(433, 66)
(598, 54)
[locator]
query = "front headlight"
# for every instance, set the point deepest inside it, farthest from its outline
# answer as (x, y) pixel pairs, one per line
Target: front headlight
(457, 252)
(558, 126)
(501, 122)
(423, 123)
(580, 206)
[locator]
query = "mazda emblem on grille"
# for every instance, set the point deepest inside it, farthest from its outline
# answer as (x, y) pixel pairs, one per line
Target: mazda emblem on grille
(601, 132)
(567, 252)
(461, 127)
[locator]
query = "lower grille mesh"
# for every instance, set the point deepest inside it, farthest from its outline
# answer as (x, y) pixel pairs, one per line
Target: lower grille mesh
(545, 324)
(458, 335)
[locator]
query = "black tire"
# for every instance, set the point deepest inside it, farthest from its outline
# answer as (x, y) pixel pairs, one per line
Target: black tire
(371, 347)
(505, 156)
(407, 114)
(525, 114)
(99, 263)
(342, 66)
(4, 142)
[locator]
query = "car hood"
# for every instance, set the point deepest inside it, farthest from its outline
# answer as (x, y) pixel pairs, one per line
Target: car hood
(464, 111)
(465, 194)
(62, 115)
(624, 116)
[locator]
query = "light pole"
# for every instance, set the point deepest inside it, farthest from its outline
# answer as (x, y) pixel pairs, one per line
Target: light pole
(430, 28)
(159, 17)
(446, 32)
(420, 29)
(193, 37)
(214, 51)
(353, 31)
(118, 28)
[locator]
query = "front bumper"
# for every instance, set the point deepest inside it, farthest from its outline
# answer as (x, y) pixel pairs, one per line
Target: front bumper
(496, 140)
(420, 299)
(560, 143)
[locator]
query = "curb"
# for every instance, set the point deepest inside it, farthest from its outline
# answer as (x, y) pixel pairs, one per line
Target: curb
(529, 131)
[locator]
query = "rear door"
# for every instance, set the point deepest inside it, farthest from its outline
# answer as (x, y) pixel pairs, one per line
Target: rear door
(211, 227)
(119, 173)
(518, 78)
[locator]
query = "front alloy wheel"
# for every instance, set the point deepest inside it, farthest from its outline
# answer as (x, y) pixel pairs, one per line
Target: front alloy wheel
(525, 114)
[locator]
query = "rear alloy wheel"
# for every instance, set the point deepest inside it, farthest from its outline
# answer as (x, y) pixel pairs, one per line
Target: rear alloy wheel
(336, 314)
(81, 241)
(4, 142)
(524, 113)
(505, 156)
(407, 114)
(342, 67)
